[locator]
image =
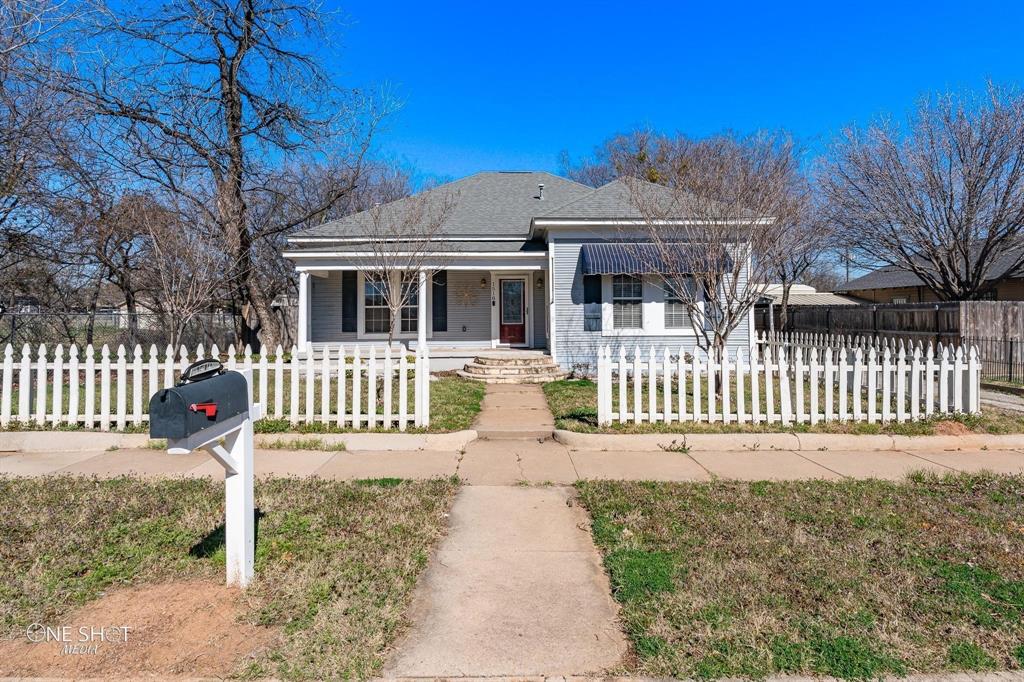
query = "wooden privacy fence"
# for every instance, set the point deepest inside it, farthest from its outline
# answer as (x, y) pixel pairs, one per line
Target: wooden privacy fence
(358, 390)
(784, 385)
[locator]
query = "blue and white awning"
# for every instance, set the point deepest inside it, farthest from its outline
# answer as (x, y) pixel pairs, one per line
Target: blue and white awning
(640, 259)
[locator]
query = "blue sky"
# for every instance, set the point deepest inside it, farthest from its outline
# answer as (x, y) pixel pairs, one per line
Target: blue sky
(502, 85)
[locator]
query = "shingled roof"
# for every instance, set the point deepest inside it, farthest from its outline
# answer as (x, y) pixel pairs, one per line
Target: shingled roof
(489, 204)
(895, 277)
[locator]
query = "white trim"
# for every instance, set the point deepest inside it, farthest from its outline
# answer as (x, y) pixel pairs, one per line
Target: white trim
(577, 222)
(432, 254)
(396, 323)
(550, 312)
(303, 322)
(345, 240)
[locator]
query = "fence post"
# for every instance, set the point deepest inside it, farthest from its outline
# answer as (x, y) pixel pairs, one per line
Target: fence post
(341, 386)
(325, 385)
(1009, 359)
(122, 388)
(58, 384)
(41, 386)
(426, 385)
(974, 403)
(105, 388)
(403, 387)
(73, 386)
(666, 387)
(8, 387)
(90, 386)
(388, 367)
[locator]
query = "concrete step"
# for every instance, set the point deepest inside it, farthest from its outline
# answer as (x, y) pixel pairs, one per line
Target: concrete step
(513, 379)
(544, 360)
(495, 370)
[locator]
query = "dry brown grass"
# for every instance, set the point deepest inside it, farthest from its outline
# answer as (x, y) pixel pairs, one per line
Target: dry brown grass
(854, 579)
(335, 562)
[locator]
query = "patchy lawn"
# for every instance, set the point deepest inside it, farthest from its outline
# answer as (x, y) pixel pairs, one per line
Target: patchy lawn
(454, 404)
(574, 405)
(854, 579)
(335, 562)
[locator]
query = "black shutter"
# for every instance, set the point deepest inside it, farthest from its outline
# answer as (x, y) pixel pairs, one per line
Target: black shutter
(439, 295)
(349, 301)
(591, 288)
(592, 303)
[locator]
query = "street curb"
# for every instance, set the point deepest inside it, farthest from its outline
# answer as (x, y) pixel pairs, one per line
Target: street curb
(783, 441)
(84, 441)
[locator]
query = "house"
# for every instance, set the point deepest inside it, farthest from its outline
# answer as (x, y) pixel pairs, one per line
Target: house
(766, 312)
(524, 260)
(892, 284)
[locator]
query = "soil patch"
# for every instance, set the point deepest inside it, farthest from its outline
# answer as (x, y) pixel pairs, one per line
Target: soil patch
(177, 628)
(951, 428)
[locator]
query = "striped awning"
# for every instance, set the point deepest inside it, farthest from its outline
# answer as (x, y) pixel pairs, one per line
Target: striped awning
(640, 259)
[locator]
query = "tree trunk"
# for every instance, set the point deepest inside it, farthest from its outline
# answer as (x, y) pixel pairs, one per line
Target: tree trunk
(784, 306)
(90, 325)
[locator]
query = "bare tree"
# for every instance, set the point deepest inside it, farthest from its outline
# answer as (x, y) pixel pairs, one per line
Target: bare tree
(186, 266)
(807, 242)
(942, 196)
(402, 241)
(712, 231)
(643, 154)
(209, 99)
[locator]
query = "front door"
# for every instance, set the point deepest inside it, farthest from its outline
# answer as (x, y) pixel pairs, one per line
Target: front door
(512, 311)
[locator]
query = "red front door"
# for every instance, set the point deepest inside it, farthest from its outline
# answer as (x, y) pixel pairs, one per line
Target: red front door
(512, 302)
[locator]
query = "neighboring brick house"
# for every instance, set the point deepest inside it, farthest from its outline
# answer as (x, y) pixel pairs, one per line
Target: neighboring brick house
(892, 284)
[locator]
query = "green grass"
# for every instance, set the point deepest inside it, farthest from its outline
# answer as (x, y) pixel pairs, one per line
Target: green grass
(853, 579)
(302, 444)
(574, 406)
(454, 404)
(335, 562)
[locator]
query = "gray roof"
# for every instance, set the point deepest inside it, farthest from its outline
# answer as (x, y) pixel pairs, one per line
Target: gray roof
(498, 204)
(453, 246)
(607, 201)
(895, 277)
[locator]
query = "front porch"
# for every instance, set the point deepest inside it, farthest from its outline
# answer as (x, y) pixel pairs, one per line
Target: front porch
(460, 310)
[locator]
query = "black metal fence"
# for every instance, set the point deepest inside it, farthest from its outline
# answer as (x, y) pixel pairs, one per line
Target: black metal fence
(1001, 359)
(114, 328)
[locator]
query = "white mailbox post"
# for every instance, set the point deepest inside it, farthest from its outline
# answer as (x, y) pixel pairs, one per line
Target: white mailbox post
(230, 442)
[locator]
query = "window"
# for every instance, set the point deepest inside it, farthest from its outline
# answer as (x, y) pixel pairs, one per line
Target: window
(411, 302)
(627, 302)
(899, 299)
(677, 315)
(377, 316)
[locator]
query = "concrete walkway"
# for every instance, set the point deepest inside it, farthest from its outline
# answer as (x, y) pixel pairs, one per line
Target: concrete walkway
(516, 588)
(514, 411)
(511, 462)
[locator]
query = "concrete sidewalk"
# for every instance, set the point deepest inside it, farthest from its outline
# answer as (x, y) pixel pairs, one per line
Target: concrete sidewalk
(516, 588)
(509, 462)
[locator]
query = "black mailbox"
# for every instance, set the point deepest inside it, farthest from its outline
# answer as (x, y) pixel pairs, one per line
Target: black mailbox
(207, 395)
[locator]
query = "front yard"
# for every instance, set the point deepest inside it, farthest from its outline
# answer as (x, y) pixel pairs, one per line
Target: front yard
(335, 562)
(853, 579)
(574, 405)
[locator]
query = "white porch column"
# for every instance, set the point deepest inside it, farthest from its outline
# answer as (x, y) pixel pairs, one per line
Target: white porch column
(303, 323)
(421, 316)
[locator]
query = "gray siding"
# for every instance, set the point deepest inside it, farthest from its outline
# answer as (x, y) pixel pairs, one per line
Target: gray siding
(469, 306)
(325, 309)
(576, 347)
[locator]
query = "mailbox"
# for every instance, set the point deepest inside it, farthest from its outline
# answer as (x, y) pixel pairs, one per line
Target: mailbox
(206, 396)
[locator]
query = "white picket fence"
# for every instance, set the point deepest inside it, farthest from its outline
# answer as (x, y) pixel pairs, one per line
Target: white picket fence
(797, 385)
(358, 389)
